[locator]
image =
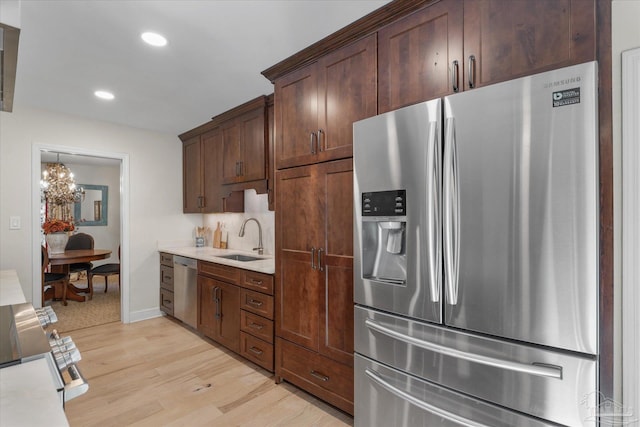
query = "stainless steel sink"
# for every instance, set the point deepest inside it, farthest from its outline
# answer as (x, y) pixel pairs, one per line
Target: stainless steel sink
(239, 257)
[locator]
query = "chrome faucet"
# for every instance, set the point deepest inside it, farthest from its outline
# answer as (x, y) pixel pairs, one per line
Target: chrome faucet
(260, 249)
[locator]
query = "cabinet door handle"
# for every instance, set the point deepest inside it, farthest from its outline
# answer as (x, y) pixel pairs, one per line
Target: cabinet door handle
(241, 168)
(255, 302)
(256, 350)
(319, 375)
(472, 71)
(216, 299)
(320, 265)
(256, 325)
(454, 76)
(313, 255)
(320, 139)
(312, 136)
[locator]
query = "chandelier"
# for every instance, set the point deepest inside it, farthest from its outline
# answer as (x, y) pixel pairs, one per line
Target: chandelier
(58, 185)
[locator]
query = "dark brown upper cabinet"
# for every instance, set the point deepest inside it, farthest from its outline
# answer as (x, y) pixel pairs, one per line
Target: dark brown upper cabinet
(245, 142)
(316, 105)
(419, 56)
(505, 39)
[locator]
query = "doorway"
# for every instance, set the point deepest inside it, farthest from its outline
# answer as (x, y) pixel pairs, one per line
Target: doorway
(86, 159)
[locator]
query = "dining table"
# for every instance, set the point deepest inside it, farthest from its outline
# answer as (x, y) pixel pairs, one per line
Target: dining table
(60, 263)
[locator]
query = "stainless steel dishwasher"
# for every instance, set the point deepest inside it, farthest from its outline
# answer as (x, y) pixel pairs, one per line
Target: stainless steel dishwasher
(185, 290)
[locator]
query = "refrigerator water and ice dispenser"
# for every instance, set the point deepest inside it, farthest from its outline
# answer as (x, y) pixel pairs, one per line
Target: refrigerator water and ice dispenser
(384, 223)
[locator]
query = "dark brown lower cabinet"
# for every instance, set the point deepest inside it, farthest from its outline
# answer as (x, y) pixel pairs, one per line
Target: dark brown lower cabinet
(219, 317)
(236, 310)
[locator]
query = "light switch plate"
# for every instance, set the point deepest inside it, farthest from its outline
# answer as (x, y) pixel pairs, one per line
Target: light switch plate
(14, 223)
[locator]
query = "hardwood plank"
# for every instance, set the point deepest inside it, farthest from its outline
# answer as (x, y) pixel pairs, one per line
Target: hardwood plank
(157, 372)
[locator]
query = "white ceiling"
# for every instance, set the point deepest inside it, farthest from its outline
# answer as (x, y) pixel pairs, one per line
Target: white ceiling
(216, 51)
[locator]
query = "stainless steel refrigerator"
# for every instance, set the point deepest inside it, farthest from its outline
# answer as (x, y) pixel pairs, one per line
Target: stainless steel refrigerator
(476, 257)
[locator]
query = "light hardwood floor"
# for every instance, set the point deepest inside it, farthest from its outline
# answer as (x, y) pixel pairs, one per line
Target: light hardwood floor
(157, 373)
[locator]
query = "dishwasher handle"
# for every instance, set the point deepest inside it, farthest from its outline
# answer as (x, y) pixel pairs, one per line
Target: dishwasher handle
(186, 262)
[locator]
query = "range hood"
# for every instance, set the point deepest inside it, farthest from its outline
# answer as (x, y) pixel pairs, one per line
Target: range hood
(8, 63)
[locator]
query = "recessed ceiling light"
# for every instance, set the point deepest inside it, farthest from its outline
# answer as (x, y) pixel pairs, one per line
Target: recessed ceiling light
(103, 94)
(154, 39)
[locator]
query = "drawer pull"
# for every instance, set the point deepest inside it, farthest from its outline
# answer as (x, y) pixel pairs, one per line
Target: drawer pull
(319, 376)
(255, 302)
(256, 325)
(167, 302)
(257, 282)
(256, 351)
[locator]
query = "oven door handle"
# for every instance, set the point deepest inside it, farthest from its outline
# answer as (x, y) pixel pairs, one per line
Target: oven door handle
(77, 386)
(420, 403)
(538, 369)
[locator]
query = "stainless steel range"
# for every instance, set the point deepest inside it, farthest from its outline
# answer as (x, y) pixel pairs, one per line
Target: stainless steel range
(23, 339)
(476, 257)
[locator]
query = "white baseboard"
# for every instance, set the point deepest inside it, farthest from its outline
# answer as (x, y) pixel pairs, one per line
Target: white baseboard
(151, 313)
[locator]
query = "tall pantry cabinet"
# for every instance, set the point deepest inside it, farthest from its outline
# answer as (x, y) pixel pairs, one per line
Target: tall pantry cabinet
(405, 52)
(315, 107)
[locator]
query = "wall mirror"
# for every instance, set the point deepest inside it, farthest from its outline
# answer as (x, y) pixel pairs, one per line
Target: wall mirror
(93, 209)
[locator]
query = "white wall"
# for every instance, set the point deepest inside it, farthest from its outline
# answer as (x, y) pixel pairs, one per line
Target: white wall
(625, 36)
(155, 205)
(255, 206)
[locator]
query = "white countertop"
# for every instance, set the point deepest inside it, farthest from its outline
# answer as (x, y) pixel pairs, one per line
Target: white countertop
(10, 289)
(28, 396)
(266, 264)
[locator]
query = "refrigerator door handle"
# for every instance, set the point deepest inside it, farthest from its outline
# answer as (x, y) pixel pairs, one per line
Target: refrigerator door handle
(433, 212)
(451, 219)
(420, 403)
(537, 369)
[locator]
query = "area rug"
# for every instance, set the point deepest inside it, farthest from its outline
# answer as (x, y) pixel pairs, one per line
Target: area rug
(103, 308)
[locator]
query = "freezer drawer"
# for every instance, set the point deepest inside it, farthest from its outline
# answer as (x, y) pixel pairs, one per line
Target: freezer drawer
(388, 397)
(552, 385)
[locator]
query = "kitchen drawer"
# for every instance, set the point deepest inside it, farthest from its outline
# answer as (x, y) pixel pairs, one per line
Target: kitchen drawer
(166, 277)
(166, 259)
(219, 271)
(323, 377)
(257, 326)
(258, 282)
(258, 351)
(166, 301)
(257, 303)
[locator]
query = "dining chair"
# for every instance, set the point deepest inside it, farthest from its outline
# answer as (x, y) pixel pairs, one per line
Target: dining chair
(105, 270)
(80, 241)
(51, 282)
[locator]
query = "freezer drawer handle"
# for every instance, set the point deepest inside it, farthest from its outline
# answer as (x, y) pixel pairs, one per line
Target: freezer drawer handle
(419, 403)
(534, 369)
